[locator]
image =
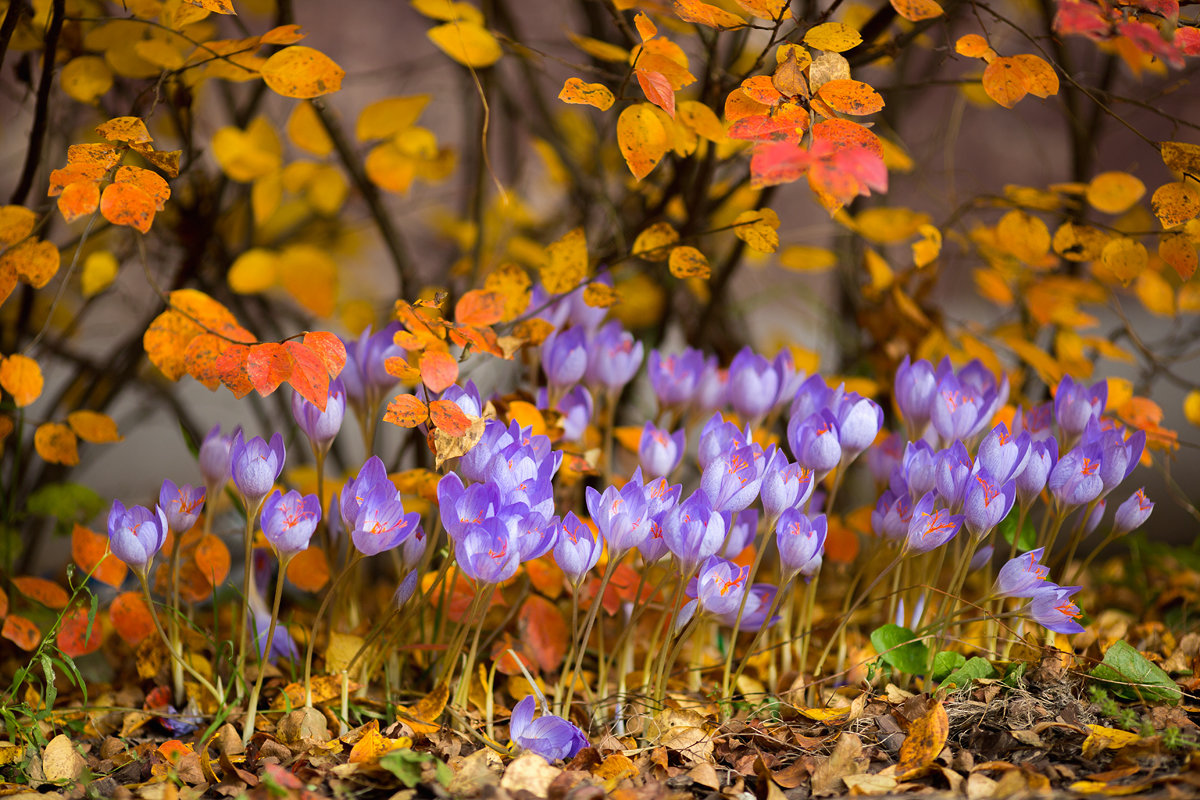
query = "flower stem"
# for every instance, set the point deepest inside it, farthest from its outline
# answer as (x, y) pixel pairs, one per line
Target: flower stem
(175, 655)
(463, 691)
(784, 581)
(312, 636)
(247, 588)
(252, 703)
(758, 557)
(173, 618)
(849, 611)
(581, 645)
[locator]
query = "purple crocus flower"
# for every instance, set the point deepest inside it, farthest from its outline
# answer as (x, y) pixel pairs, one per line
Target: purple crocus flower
(987, 502)
(614, 357)
(381, 523)
(1133, 513)
(742, 530)
(405, 590)
(215, 457)
(957, 410)
(619, 516)
(282, 643)
(372, 475)
(181, 504)
(412, 549)
(753, 384)
(289, 520)
(1038, 421)
(1119, 456)
(918, 469)
(1043, 455)
(1075, 479)
(461, 507)
(814, 442)
(534, 534)
(914, 391)
(473, 465)
(660, 451)
(732, 479)
(718, 436)
(952, 474)
(790, 378)
(575, 405)
(675, 377)
(785, 485)
(136, 534)
(754, 615)
(1075, 405)
(799, 539)
(522, 478)
(551, 737)
(321, 427)
(858, 422)
(466, 397)
(885, 456)
(565, 356)
(712, 390)
(1022, 576)
(693, 531)
(1052, 609)
(982, 557)
(487, 552)
(892, 514)
(255, 466)
(577, 549)
(720, 585)
(1003, 454)
(812, 396)
(930, 528)
(365, 376)
(660, 495)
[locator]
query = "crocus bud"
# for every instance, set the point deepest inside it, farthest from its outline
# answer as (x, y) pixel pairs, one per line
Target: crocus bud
(915, 387)
(256, 465)
(614, 358)
(136, 534)
(1133, 513)
(660, 451)
(753, 384)
(1075, 405)
(693, 531)
(858, 422)
(214, 458)
(577, 549)
(799, 539)
(321, 427)
(565, 357)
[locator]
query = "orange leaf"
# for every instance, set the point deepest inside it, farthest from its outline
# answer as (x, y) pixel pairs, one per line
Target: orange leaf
(166, 160)
(851, 97)
(267, 366)
(643, 138)
(284, 34)
(310, 376)
(203, 358)
(590, 94)
(191, 312)
(329, 348)
(761, 89)
(302, 72)
(3, 603)
(688, 262)
(1006, 81)
(22, 378)
(925, 740)
(787, 124)
(439, 370)
(309, 569)
(479, 308)
(448, 418)
(482, 339)
(90, 551)
(420, 716)
(399, 367)
(216, 6)
(407, 411)
(149, 182)
(21, 632)
(705, 14)
(56, 443)
(92, 426)
(101, 153)
(1040, 78)
(917, 10)
(843, 133)
(657, 89)
(127, 204)
(79, 199)
(232, 367)
(73, 638)
(1180, 253)
(211, 559)
(131, 617)
(125, 129)
(48, 593)
(87, 172)
(33, 261)
(544, 630)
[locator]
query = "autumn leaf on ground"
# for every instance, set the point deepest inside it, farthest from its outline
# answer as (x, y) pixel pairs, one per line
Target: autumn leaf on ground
(925, 740)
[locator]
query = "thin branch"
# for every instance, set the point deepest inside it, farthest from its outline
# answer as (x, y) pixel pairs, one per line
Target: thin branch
(41, 112)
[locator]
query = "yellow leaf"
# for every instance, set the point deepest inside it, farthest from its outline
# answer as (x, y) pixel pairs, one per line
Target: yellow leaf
(688, 262)
(764, 9)
(327, 190)
(160, 53)
(1175, 203)
(701, 119)
(216, 6)
(56, 443)
(851, 97)
(895, 158)
(1155, 293)
(340, 650)
(824, 714)
(390, 168)
(1114, 192)
(834, 37)
(373, 745)
(1006, 81)
(600, 295)
(1101, 738)
(1125, 258)
(513, 283)
(309, 275)
(99, 271)
(643, 137)
(1076, 242)
(708, 15)
(759, 229)
(468, 43)
(1049, 370)
(1191, 407)
(305, 130)
(448, 10)
(16, 222)
(589, 94)
(926, 250)
(890, 225)
(254, 271)
(1040, 78)
(92, 426)
(993, 286)
(1023, 235)
(389, 116)
(925, 740)
(972, 46)
(654, 242)
(22, 378)
(302, 72)
(645, 26)
(788, 50)
(34, 261)
(806, 258)
(86, 78)
(250, 154)
(1181, 157)
(881, 273)
(599, 49)
(265, 195)
(917, 10)
(566, 263)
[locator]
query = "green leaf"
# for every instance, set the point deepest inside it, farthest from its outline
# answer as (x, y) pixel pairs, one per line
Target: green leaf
(1008, 527)
(972, 669)
(1129, 674)
(945, 662)
(1014, 674)
(66, 502)
(405, 764)
(898, 647)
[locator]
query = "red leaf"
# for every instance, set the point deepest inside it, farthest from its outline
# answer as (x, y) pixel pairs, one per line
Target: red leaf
(231, 366)
(478, 307)
(779, 162)
(267, 366)
(131, 617)
(844, 133)
(73, 637)
(787, 124)
(449, 418)
(407, 411)
(329, 349)
(48, 593)
(21, 632)
(310, 376)
(1084, 19)
(657, 89)
(544, 631)
(127, 204)
(439, 370)
(90, 551)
